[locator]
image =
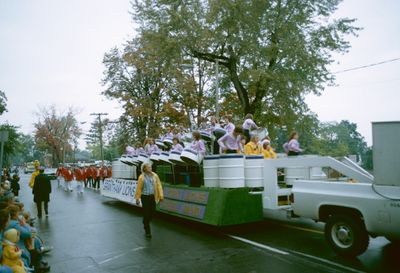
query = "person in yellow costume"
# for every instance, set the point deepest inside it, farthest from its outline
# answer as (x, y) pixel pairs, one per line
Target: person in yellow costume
(36, 164)
(253, 147)
(267, 150)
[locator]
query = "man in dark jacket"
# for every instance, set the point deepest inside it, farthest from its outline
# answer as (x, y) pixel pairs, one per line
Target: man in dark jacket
(41, 192)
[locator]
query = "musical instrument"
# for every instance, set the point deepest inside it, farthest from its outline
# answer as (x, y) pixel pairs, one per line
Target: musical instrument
(160, 144)
(143, 158)
(155, 156)
(206, 136)
(175, 157)
(164, 156)
(219, 132)
(168, 141)
(135, 159)
(191, 157)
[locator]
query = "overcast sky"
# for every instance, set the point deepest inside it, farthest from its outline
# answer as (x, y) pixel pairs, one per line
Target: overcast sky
(51, 52)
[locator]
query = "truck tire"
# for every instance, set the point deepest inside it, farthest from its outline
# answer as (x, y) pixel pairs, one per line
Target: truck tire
(347, 235)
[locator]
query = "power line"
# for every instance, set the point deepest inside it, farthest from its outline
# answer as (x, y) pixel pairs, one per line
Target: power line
(366, 66)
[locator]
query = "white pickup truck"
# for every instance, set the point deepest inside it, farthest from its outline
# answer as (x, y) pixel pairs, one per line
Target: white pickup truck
(353, 203)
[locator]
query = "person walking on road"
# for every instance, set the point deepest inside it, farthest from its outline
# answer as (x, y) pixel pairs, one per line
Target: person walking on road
(150, 192)
(41, 192)
(80, 178)
(68, 177)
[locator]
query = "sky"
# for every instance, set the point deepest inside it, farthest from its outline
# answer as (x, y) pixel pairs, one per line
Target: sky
(51, 53)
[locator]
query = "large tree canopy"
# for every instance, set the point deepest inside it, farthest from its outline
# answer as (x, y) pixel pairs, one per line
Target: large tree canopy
(274, 52)
(56, 132)
(270, 54)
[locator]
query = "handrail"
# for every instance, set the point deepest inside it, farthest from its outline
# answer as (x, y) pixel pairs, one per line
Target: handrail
(352, 172)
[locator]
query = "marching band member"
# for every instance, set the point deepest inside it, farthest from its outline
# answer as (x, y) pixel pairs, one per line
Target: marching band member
(59, 174)
(230, 143)
(149, 146)
(80, 178)
(169, 133)
(229, 126)
(139, 148)
(68, 177)
(198, 144)
(248, 124)
(176, 146)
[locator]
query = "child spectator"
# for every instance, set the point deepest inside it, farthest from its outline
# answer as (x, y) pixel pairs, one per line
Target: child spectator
(11, 252)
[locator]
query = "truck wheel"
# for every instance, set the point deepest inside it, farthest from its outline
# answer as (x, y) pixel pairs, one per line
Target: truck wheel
(347, 235)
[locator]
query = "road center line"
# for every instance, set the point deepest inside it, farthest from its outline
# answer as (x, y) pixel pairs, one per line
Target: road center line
(259, 245)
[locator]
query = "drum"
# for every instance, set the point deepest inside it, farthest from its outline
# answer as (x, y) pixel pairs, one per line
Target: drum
(135, 159)
(143, 158)
(175, 157)
(187, 137)
(168, 141)
(124, 159)
(219, 132)
(164, 156)
(191, 156)
(206, 136)
(160, 144)
(155, 156)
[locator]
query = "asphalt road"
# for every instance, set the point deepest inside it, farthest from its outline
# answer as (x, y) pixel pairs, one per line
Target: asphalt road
(93, 234)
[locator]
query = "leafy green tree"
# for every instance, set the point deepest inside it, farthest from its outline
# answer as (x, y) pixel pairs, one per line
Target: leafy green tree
(3, 102)
(272, 52)
(12, 144)
(24, 150)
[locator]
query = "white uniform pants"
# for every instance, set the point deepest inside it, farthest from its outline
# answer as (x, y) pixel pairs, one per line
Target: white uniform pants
(79, 186)
(68, 185)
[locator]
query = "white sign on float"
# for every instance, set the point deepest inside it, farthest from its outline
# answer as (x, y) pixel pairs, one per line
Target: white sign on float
(120, 189)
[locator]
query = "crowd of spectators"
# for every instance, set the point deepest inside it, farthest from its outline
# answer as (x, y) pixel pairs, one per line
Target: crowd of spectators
(22, 249)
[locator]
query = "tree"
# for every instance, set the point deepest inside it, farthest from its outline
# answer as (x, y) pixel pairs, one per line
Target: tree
(339, 139)
(12, 144)
(3, 102)
(24, 150)
(56, 132)
(273, 52)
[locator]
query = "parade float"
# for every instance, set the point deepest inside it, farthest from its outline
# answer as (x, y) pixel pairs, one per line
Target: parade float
(231, 189)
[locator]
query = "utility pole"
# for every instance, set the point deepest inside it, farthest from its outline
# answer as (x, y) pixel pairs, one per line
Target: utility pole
(217, 89)
(100, 132)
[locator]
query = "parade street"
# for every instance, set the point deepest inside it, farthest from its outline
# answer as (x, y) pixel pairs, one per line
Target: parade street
(91, 233)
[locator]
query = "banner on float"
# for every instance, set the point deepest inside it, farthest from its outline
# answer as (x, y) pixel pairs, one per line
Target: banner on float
(120, 189)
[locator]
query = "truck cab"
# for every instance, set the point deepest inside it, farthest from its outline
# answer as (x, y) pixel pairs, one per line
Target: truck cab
(353, 204)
